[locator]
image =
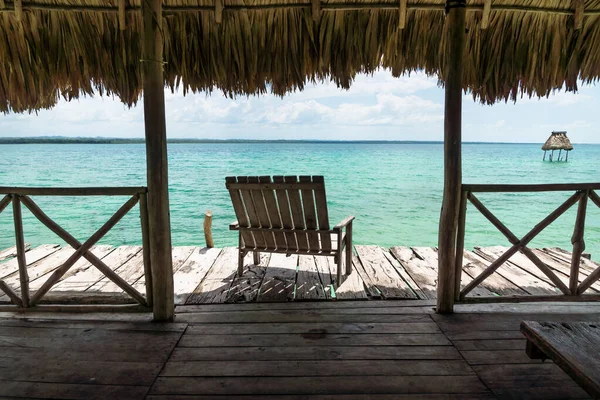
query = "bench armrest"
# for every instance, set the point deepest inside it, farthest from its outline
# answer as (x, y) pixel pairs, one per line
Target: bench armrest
(345, 222)
(234, 226)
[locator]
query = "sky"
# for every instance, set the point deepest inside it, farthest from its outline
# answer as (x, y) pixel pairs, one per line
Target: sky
(377, 107)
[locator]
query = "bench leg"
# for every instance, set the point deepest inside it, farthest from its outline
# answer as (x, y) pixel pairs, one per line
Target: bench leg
(534, 352)
(256, 258)
(240, 263)
(338, 261)
(349, 249)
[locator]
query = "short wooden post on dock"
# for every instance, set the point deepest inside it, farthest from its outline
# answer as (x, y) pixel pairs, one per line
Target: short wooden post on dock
(156, 161)
(452, 156)
(208, 229)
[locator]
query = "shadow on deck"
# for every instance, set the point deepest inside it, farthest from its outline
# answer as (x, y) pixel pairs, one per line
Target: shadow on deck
(204, 276)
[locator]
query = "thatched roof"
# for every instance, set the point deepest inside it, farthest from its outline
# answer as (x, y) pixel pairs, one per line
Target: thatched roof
(558, 141)
(72, 47)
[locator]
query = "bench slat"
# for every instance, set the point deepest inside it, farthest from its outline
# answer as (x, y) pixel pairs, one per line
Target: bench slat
(310, 214)
(297, 215)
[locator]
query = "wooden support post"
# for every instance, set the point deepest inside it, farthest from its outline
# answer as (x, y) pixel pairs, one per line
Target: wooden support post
(544, 159)
(156, 162)
(567, 156)
(18, 10)
(20, 243)
(256, 257)
(460, 243)
(218, 11)
(485, 18)
(402, 23)
(452, 156)
(559, 154)
(208, 229)
(146, 246)
(316, 10)
(122, 16)
(579, 9)
(578, 243)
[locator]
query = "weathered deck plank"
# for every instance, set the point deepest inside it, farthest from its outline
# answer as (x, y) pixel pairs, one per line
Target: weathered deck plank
(280, 279)
(563, 268)
(327, 272)
(318, 385)
(11, 252)
(245, 289)
(317, 368)
(217, 281)
(205, 276)
(522, 261)
(352, 288)
(520, 277)
(180, 255)
(189, 275)
(89, 275)
(308, 281)
(383, 274)
(11, 267)
(298, 351)
(496, 284)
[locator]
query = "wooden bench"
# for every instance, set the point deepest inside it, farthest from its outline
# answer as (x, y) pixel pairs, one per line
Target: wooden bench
(287, 215)
(574, 346)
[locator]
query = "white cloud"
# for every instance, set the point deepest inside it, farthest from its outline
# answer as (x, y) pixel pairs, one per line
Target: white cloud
(378, 106)
(572, 126)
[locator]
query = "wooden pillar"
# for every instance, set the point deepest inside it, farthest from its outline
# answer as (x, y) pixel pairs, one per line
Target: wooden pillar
(452, 156)
(156, 162)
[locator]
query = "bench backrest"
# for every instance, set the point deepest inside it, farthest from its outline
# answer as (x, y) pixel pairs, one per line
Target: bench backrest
(288, 202)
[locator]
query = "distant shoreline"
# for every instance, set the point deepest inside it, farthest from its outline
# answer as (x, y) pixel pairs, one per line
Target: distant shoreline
(104, 140)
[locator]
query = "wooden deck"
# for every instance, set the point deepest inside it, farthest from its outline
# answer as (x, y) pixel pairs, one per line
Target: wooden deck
(300, 350)
(203, 275)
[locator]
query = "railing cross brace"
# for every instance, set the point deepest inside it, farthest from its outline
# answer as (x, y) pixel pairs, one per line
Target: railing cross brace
(82, 250)
(521, 244)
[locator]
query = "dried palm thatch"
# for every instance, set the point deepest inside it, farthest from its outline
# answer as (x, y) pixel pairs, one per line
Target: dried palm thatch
(67, 48)
(558, 141)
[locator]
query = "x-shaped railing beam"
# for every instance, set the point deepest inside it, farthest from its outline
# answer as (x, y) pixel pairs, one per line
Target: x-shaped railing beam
(82, 250)
(521, 244)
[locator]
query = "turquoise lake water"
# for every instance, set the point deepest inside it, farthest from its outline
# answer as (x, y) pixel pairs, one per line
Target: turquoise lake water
(394, 190)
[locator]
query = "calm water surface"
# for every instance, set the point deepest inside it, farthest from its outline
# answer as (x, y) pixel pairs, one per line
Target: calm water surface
(394, 190)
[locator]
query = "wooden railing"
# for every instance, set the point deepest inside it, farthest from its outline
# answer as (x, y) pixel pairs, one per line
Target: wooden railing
(21, 196)
(574, 290)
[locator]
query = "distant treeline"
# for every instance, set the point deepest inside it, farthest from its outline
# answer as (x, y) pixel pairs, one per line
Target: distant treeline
(104, 140)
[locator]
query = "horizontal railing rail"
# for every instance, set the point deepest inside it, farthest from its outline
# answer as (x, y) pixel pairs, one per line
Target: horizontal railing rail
(73, 191)
(19, 196)
(548, 187)
(573, 290)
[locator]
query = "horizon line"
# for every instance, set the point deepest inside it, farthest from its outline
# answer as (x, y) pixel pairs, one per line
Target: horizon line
(137, 140)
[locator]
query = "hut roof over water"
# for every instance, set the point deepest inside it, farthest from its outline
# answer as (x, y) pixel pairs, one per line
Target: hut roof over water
(67, 48)
(558, 141)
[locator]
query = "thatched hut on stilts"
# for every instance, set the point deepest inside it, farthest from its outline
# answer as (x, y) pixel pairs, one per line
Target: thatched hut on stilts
(557, 141)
